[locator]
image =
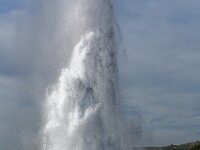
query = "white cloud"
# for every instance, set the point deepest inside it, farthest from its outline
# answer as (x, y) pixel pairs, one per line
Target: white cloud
(160, 74)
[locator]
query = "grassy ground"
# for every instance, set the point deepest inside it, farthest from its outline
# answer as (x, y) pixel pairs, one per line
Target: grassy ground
(187, 146)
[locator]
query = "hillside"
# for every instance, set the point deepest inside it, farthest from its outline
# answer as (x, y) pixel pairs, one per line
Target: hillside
(187, 146)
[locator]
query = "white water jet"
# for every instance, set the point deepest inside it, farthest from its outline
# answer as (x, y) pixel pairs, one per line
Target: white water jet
(83, 109)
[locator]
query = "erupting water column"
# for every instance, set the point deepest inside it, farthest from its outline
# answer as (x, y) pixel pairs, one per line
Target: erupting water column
(83, 109)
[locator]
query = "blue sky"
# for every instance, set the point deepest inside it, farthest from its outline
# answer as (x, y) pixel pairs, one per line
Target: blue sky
(159, 70)
(162, 47)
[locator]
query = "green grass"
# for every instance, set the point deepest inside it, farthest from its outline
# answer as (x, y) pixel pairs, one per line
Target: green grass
(187, 146)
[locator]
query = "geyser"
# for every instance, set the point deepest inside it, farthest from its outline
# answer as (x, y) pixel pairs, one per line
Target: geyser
(83, 109)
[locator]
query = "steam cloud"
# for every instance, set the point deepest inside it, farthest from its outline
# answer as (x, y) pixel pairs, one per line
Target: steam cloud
(83, 110)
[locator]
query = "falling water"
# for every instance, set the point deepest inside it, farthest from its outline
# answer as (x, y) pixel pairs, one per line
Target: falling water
(83, 109)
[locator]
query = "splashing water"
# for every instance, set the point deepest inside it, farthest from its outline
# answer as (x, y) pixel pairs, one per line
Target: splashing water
(83, 110)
